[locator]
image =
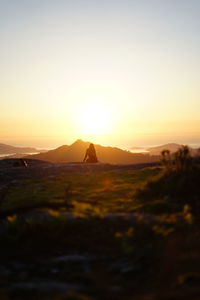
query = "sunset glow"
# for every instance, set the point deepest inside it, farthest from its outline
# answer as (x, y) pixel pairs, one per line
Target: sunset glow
(117, 72)
(94, 120)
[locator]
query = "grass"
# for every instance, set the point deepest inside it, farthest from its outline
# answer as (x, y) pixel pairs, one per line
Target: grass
(104, 191)
(173, 190)
(152, 256)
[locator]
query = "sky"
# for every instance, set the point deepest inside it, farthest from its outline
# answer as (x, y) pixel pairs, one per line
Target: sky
(114, 72)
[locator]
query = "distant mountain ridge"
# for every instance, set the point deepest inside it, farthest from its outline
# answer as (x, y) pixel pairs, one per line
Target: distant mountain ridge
(76, 151)
(172, 147)
(156, 150)
(8, 149)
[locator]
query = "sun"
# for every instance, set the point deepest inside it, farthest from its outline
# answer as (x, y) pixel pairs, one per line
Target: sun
(95, 119)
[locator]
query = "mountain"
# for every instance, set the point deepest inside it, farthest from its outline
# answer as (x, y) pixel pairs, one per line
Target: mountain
(172, 147)
(7, 149)
(76, 152)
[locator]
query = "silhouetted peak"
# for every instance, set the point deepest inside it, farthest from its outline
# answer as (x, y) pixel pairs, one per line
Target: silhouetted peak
(63, 147)
(79, 143)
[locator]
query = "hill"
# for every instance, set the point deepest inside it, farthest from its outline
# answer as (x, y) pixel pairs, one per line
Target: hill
(172, 147)
(8, 149)
(76, 152)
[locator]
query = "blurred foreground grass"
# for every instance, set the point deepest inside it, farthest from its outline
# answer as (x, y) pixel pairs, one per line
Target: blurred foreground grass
(103, 191)
(128, 239)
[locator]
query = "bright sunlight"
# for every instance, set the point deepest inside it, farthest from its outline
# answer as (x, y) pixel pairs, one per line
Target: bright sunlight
(95, 119)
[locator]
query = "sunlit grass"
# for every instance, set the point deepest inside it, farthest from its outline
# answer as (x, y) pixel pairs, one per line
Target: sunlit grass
(100, 192)
(155, 249)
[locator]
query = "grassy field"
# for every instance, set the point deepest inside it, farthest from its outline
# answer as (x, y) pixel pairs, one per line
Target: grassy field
(97, 235)
(106, 192)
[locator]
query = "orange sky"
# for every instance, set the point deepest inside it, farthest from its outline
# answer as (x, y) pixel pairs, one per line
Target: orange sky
(119, 73)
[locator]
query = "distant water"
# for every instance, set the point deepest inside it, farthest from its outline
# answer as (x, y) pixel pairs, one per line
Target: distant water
(140, 150)
(4, 155)
(7, 155)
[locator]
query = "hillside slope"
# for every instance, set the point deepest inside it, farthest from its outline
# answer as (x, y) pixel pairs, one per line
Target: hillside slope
(8, 149)
(76, 152)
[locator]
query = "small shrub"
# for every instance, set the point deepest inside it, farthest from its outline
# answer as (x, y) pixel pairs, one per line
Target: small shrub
(179, 183)
(166, 160)
(180, 161)
(183, 160)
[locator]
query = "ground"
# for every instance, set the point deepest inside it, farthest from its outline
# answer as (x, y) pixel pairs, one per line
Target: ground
(78, 231)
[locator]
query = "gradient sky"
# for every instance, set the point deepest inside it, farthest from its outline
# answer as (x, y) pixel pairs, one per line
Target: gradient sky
(135, 62)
